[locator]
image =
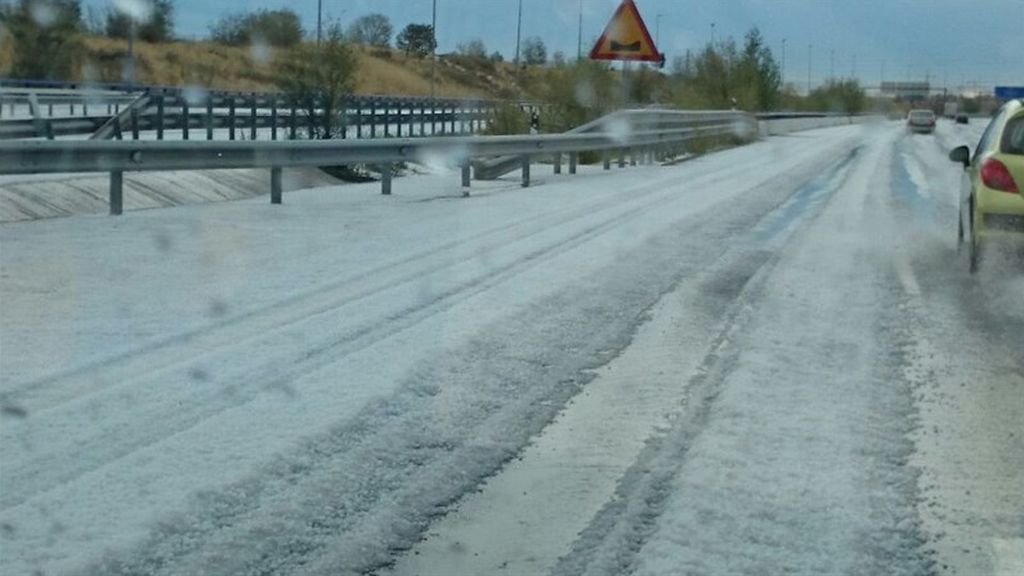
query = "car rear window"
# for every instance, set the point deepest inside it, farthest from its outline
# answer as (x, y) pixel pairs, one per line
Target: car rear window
(922, 114)
(1013, 137)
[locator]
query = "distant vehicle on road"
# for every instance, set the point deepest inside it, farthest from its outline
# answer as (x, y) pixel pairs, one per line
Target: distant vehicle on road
(950, 109)
(921, 121)
(962, 119)
(991, 204)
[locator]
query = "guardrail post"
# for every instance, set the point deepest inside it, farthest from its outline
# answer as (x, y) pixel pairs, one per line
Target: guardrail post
(252, 117)
(558, 163)
(607, 158)
(273, 120)
(526, 171)
(275, 185)
(292, 124)
(116, 193)
(574, 158)
(466, 178)
(185, 118)
(135, 123)
(160, 117)
(423, 119)
(373, 119)
(231, 116)
(387, 120)
(209, 118)
(385, 179)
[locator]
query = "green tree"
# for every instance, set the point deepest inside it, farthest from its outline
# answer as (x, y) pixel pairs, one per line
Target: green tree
(279, 28)
(45, 35)
(844, 96)
(417, 39)
(535, 53)
(319, 78)
(575, 94)
(473, 49)
(372, 30)
(154, 21)
(758, 75)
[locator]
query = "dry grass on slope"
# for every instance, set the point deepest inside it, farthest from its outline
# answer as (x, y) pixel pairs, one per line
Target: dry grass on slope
(235, 68)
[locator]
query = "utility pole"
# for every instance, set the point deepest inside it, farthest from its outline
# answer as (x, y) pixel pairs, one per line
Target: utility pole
(519, 31)
(433, 50)
(810, 51)
(319, 19)
(579, 39)
(783, 62)
(131, 49)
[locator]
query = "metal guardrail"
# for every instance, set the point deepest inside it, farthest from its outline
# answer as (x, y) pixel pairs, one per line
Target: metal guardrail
(643, 133)
(76, 109)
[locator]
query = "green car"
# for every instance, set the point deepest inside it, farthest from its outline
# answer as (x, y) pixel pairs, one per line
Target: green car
(991, 203)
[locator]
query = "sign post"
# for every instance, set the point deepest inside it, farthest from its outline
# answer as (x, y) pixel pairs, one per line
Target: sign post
(627, 39)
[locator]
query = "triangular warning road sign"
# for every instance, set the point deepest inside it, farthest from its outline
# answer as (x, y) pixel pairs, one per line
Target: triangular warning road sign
(626, 38)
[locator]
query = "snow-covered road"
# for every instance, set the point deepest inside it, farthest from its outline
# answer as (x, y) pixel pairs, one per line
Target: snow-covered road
(766, 360)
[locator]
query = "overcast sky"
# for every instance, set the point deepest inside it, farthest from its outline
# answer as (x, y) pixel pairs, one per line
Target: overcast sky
(953, 41)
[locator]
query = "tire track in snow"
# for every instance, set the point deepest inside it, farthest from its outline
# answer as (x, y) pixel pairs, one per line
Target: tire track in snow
(308, 509)
(791, 456)
(36, 474)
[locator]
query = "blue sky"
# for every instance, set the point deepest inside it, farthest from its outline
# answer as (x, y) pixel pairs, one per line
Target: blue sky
(953, 41)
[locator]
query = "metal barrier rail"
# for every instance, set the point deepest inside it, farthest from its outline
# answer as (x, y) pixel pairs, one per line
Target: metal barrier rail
(180, 113)
(642, 133)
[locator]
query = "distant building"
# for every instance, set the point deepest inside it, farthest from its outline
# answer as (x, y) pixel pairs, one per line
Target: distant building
(907, 90)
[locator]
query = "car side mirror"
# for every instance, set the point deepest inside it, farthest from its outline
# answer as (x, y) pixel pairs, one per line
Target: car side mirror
(961, 154)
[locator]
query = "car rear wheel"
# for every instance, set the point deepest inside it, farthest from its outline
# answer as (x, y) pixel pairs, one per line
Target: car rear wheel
(960, 229)
(975, 256)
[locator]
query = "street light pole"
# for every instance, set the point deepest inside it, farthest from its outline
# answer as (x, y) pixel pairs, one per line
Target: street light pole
(433, 49)
(810, 52)
(783, 62)
(319, 19)
(131, 50)
(657, 29)
(579, 40)
(712, 33)
(519, 31)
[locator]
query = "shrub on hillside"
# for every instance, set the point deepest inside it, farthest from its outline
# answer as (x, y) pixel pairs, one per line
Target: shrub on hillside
(279, 28)
(372, 30)
(45, 36)
(319, 78)
(417, 39)
(154, 20)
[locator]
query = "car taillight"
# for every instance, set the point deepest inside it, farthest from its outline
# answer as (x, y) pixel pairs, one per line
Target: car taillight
(995, 176)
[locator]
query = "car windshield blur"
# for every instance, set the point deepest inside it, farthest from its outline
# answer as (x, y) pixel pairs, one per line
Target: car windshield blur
(511, 287)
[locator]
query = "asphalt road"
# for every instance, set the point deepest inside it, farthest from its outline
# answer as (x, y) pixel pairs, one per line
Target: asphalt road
(766, 360)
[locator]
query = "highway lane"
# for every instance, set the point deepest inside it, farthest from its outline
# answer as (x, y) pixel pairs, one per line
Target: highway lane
(752, 360)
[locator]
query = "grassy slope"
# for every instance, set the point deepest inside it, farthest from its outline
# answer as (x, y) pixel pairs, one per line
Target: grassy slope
(234, 68)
